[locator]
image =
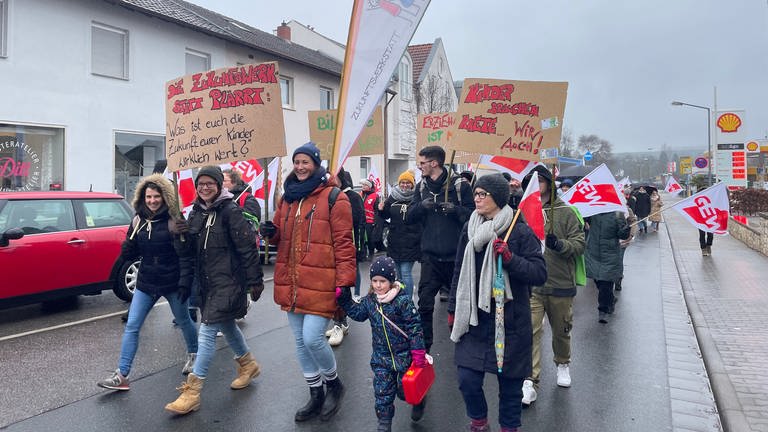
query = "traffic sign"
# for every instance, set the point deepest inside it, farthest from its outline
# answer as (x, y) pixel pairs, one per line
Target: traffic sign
(701, 162)
(588, 156)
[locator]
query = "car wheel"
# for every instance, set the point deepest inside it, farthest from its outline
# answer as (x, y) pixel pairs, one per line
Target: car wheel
(126, 280)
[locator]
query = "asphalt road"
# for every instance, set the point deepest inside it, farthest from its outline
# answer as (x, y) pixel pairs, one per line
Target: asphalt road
(47, 379)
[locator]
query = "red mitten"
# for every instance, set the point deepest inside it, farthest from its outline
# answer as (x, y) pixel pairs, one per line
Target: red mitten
(451, 318)
(501, 248)
(419, 360)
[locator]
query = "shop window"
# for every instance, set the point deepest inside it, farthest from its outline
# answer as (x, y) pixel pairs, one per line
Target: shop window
(135, 157)
(109, 51)
(31, 158)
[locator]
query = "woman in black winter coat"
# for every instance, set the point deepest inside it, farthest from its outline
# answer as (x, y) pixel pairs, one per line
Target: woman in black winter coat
(225, 261)
(472, 307)
(403, 241)
(150, 237)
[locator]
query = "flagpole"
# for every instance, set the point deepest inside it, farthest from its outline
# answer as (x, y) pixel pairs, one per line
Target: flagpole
(552, 195)
(657, 212)
(178, 199)
(512, 225)
(266, 206)
(448, 177)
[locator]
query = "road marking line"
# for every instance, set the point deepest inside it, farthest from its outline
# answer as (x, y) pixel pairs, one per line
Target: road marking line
(83, 321)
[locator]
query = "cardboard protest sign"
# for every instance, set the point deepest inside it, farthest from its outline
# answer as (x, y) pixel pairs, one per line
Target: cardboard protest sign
(517, 119)
(322, 127)
(224, 115)
(438, 128)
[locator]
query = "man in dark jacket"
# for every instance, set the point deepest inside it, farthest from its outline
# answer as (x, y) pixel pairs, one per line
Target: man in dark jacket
(442, 220)
(642, 207)
(564, 243)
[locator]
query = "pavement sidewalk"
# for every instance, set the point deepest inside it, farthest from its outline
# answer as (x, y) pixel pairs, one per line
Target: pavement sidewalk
(727, 299)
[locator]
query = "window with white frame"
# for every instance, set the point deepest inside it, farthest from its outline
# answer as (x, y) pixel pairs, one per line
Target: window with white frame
(365, 166)
(405, 80)
(3, 28)
(286, 91)
(109, 51)
(196, 61)
(326, 98)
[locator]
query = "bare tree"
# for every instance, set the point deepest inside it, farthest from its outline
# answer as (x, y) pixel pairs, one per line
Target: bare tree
(567, 144)
(434, 95)
(601, 149)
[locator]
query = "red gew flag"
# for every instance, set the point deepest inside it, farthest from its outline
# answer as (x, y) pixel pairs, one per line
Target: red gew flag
(708, 210)
(596, 193)
(530, 206)
(673, 186)
(517, 168)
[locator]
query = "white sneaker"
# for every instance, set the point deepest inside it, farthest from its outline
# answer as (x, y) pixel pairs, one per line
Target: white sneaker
(563, 375)
(345, 328)
(337, 336)
(529, 393)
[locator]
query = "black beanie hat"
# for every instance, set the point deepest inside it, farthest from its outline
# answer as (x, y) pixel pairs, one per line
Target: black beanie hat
(384, 267)
(497, 186)
(311, 150)
(213, 172)
(542, 172)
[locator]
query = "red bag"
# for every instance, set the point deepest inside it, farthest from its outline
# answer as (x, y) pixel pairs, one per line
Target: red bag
(416, 383)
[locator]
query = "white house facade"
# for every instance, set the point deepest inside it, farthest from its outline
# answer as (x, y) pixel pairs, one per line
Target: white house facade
(83, 84)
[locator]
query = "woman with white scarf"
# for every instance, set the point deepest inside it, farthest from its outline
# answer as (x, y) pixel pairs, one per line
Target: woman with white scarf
(472, 309)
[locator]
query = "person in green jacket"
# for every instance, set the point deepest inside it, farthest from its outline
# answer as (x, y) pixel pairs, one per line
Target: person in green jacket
(564, 246)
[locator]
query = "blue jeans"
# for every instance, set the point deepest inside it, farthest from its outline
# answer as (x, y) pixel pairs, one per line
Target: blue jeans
(312, 350)
(405, 276)
(510, 397)
(141, 304)
(232, 335)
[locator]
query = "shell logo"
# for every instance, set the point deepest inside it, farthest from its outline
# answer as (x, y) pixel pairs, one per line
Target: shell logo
(753, 146)
(729, 122)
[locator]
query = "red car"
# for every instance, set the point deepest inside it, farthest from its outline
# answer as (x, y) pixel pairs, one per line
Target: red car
(60, 244)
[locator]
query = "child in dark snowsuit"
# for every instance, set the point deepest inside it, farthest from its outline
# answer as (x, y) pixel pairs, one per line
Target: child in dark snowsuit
(397, 337)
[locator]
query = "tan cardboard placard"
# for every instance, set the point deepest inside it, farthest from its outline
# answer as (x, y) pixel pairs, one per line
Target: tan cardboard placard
(224, 115)
(516, 119)
(438, 128)
(322, 127)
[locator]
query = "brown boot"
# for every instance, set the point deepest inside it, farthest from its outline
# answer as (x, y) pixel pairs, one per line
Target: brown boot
(247, 370)
(189, 399)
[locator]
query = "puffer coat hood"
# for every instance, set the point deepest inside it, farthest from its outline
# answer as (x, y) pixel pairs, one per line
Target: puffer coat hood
(166, 189)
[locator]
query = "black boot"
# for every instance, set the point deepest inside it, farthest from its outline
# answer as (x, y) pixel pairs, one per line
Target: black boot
(417, 412)
(332, 399)
(313, 407)
(385, 425)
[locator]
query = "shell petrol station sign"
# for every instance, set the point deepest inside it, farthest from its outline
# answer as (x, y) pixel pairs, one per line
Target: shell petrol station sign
(731, 154)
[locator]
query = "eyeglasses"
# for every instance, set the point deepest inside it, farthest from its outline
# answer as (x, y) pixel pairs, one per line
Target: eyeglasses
(481, 195)
(209, 185)
(426, 162)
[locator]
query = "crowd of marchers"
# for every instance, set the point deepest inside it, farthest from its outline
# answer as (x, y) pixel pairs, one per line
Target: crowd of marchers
(501, 280)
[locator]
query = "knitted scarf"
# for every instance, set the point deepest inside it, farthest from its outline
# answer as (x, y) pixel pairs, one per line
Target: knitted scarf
(470, 296)
(295, 190)
(400, 195)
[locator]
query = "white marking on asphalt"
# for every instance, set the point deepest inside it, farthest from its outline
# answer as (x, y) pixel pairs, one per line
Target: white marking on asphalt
(83, 321)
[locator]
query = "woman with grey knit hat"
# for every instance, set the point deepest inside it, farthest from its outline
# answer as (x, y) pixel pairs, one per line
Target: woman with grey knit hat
(476, 326)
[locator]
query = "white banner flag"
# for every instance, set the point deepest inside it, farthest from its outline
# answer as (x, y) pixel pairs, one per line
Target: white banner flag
(379, 32)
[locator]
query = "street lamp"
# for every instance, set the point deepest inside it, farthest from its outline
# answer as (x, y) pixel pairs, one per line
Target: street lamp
(709, 136)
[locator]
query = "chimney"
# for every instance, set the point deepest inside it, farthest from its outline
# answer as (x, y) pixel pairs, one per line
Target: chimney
(284, 32)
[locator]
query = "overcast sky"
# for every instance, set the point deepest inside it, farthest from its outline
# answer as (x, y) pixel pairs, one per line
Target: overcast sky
(624, 61)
